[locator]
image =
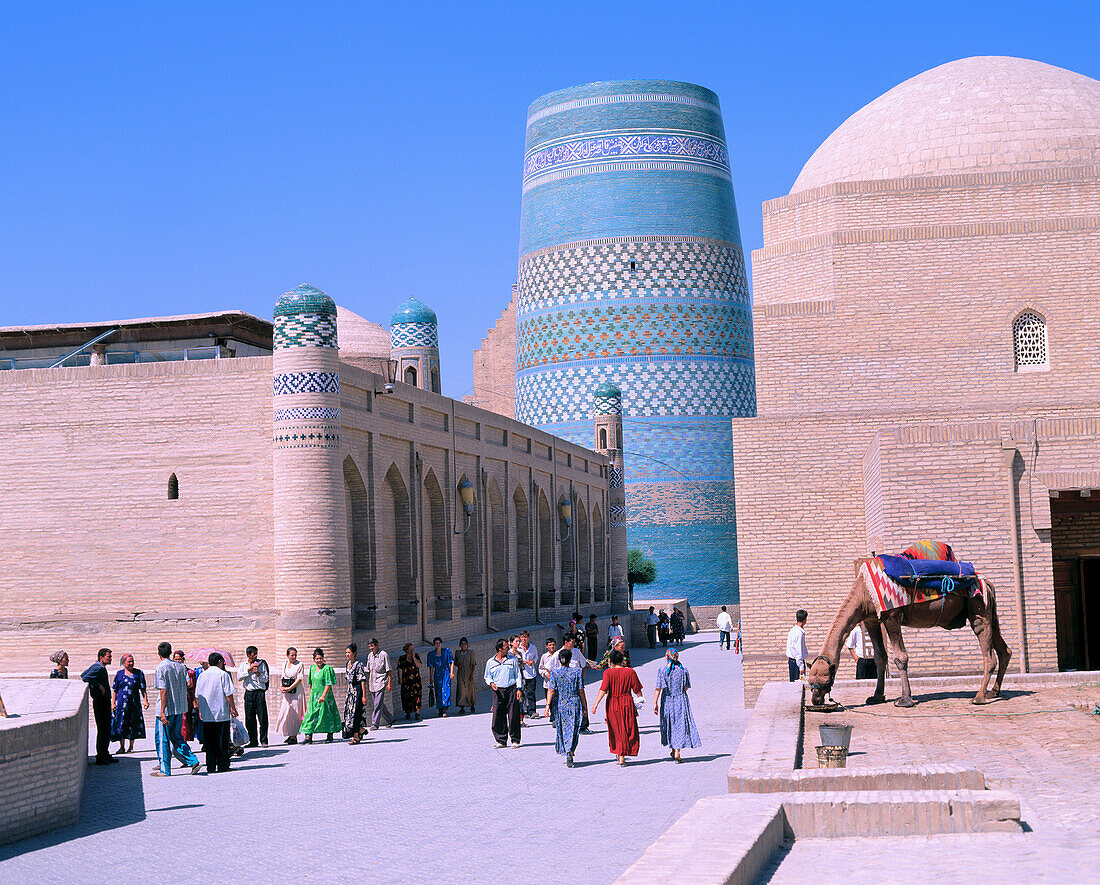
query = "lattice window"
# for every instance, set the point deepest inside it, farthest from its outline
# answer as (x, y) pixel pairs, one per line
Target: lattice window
(1029, 339)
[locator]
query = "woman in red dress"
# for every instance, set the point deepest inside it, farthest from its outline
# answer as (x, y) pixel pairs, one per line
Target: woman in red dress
(619, 682)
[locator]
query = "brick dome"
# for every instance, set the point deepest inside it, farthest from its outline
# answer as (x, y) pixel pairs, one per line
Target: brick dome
(983, 114)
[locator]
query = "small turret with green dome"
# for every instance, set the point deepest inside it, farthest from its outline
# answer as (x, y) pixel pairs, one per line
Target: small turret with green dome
(414, 343)
(608, 399)
(305, 317)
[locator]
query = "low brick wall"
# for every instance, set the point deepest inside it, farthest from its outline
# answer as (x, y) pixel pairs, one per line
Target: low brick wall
(706, 616)
(43, 755)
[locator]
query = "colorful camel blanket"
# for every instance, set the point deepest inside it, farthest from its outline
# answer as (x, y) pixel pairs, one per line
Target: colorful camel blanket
(914, 576)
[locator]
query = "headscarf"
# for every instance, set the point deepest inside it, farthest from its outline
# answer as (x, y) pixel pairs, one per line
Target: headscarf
(673, 658)
(56, 657)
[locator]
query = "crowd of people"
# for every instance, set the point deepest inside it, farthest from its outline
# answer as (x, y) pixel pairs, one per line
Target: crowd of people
(198, 703)
(664, 627)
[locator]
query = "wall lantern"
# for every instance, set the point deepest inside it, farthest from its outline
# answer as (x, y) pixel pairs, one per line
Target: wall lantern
(565, 508)
(466, 496)
(391, 376)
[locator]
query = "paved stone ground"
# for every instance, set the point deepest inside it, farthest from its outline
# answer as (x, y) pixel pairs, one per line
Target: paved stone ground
(422, 800)
(1050, 760)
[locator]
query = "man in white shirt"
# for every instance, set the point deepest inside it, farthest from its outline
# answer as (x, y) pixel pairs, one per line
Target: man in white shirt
(614, 631)
(379, 684)
(651, 627)
(859, 647)
(547, 664)
(796, 646)
(170, 684)
(214, 694)
(529, 657)
(504, 675)
(254, 676)
(725, 628)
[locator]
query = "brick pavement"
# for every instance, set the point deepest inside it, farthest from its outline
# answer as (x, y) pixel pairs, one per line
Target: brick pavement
(412, 803)
(1048, 759)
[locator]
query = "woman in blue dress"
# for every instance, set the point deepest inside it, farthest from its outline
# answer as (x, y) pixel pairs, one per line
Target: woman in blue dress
(441, 669)
(670, 702)
(130, 697)
(567, 685)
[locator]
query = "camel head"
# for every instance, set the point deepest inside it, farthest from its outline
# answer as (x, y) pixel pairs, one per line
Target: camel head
(820, 679)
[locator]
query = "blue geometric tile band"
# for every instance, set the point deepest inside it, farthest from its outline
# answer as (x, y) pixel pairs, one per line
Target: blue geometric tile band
(306, 382)
(689, 150)
(307, 436)
(717, 386)
(592, 272)
(617, 516)
(308, 413)
(614, 478)
(305, 330)
(414, 335)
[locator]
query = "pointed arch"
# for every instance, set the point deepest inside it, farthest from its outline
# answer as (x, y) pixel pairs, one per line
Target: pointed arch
(396, 526)
(173, 488)
(357, 508)
(435, 547)
(547, 594)
(498, 551)
(525, 582)
(568, 556)
(599, 554)
(471, 560)
(584, 553)
(1029, 341)
(410, 375)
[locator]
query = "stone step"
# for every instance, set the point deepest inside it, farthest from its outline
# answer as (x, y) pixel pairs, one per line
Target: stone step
(920, 777)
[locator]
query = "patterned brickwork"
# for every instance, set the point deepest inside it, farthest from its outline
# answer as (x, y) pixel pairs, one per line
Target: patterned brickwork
(308, 413)
(305, 330)
(306, 382)
(414, 335)
(298, 436)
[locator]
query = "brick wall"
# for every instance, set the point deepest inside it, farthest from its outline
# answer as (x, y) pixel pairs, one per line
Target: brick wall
(887, 395)
(495, 365)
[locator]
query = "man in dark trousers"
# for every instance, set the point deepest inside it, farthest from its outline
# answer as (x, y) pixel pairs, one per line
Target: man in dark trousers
(254, 675)
(504, 675)
(99, 686)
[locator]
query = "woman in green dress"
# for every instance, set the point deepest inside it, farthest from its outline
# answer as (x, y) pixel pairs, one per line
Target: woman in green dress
(322, 713)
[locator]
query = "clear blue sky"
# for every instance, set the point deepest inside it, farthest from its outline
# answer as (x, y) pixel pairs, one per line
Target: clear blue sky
(169, 157)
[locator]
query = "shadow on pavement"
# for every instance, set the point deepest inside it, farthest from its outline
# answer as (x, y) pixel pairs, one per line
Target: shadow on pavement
(114, 797)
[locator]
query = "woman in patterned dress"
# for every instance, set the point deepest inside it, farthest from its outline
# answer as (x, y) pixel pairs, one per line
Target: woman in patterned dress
(567, 686)
(130, 696)
(466, 671)
(408, 677)
(355, 720)
(670, 702)
(322, 714)
(441, 667)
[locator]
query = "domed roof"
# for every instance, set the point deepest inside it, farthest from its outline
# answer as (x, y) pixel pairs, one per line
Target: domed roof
(983, 114)
(361, 337)
(607, 389)
(413, 311)
(304, 299)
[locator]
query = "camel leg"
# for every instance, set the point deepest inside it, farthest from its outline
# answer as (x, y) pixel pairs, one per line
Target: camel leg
(979, 622)
(1003, 657)
(874, 630)
(901, 660)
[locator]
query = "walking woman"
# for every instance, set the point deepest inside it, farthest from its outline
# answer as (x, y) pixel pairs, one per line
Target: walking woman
(60, 660)
(322, 714)
(408, 677)
(567, 686)
(292, 707)
(355, 703)
(670, 702)
(441, 670)
(466, 668)
(129, 699)
(619, 682)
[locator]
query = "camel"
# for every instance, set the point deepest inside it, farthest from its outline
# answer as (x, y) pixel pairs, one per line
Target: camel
(950, 612)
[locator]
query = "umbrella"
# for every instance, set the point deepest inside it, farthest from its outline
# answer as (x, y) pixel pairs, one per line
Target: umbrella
(201, 654)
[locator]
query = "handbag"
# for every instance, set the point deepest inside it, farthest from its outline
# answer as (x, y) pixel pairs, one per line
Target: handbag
(288, 681)
(431, 695)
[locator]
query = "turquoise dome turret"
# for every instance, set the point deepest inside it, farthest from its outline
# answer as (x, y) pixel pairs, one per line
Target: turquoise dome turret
(305, 317)
(608, 399)
(413, 311)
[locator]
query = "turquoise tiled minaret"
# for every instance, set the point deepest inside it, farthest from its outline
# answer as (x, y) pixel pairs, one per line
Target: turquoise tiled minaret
(414, 343)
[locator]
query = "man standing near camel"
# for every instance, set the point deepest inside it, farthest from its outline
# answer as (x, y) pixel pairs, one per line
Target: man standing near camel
(796, 646)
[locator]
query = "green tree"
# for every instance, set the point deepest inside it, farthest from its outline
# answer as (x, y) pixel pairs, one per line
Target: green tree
(639, 570)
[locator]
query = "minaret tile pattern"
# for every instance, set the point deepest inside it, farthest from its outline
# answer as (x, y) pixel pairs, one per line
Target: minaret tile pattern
(631, 268)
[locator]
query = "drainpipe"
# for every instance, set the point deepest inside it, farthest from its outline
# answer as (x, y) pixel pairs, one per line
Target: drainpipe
(1008, 452)
(418, 548)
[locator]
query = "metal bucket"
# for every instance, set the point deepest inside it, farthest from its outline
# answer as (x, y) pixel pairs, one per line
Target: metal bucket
(836, 735)
(832, 757)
